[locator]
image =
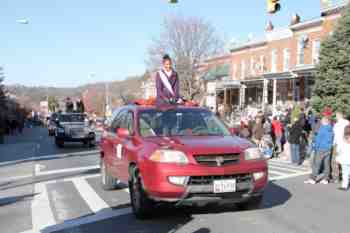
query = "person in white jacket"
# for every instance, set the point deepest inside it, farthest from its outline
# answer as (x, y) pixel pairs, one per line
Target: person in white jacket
(338, 130)
(343, 158)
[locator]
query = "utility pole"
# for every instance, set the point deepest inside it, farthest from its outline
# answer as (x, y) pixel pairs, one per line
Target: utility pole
(108, 110)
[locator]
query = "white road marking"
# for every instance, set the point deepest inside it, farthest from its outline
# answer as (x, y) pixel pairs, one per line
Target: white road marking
(36, 169)
(276, 173)
(94, 201)
(102, 215)
(284, 168)
(28, 231)
(283, 165)
(42, 215)
(38, 158)
(289, 176)
(14, 178)
(74, 169)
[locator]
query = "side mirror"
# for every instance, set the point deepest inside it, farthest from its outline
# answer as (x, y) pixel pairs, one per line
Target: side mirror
(123, 133)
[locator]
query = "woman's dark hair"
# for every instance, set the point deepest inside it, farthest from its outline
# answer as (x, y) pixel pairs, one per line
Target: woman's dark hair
(166, 57)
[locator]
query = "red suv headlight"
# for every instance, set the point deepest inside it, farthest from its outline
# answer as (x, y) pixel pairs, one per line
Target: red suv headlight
(169, 156)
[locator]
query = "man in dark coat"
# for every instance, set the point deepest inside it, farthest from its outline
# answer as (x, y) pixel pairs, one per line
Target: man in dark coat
(294, 139)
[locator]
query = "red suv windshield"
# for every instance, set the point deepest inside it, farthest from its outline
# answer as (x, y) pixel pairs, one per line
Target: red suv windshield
(180, 122)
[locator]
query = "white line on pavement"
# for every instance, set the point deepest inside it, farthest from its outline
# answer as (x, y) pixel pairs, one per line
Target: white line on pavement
(56, 156)
(276, 173)
(94, 201)
(36, 169)
(74, 169)
(288, 176)
(106, 214)
(285, 168)
(14, 178)
(42, 215)
(288, 165)
(28, 231)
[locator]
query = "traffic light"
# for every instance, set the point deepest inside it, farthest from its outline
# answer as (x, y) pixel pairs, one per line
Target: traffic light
(273, 6)
(172, 1)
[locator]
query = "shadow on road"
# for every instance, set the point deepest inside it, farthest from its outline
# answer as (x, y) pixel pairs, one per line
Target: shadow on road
(166, 218)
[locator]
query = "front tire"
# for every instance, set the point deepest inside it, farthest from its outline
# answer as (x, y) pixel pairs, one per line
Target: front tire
(142, 206)
(108, 182)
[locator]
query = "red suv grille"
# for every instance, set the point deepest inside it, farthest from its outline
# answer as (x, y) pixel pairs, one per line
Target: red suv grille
(209, 180)
(217, 160)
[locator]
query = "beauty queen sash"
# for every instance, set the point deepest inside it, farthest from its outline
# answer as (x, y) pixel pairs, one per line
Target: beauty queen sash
(166, 82)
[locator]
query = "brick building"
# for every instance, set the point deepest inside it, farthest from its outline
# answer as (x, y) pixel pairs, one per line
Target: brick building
(276, 69)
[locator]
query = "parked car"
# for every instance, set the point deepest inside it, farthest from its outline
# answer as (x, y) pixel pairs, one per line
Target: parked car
(72, 127)
(182, 154)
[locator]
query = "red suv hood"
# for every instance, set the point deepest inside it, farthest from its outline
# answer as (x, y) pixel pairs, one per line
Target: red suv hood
(203, 144)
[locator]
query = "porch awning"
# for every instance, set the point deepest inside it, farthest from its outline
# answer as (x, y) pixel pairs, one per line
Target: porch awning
(228, 84)
(304, 70)
(219, 71)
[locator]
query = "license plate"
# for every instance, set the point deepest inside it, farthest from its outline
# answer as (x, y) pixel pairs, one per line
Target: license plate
(224, 186)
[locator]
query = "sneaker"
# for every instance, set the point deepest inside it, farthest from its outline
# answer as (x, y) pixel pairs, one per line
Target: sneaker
(310, 181)
(324, 182)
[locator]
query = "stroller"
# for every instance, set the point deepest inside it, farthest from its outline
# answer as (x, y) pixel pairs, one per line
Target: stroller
(267, 146)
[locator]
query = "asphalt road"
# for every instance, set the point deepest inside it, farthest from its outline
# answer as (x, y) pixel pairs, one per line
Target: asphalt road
(63, 194)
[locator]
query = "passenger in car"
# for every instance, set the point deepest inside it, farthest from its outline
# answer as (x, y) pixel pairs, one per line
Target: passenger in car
(167, 83)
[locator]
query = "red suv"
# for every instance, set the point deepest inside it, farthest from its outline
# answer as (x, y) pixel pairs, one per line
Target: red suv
(179, 154)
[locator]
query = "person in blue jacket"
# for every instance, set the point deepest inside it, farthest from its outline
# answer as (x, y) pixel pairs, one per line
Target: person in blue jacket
(323, 144)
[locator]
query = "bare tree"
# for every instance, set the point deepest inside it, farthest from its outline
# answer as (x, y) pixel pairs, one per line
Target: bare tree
(189, 41)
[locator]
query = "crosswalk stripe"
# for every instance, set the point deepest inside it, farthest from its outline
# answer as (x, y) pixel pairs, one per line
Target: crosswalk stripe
(285, 165)
(284, 168)
(93, 200)
(288, 176)
(74, 169)
(276, 173)
(42, 215)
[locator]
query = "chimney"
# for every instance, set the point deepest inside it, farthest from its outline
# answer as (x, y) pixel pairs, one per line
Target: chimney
(295, 19)
(269, 27)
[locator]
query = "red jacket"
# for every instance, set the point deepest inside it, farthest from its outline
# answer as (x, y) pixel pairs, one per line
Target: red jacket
(277, 128)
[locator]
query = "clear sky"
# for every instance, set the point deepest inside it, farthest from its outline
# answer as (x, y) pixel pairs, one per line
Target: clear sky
(67, 40)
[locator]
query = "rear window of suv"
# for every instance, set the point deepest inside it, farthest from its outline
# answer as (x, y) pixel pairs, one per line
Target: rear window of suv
(72, 118)
(180, 122)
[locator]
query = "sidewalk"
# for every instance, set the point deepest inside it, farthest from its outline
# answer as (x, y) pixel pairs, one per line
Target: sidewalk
(19, 146)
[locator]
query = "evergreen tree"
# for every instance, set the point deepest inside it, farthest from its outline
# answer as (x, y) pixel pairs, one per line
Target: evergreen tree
(332, 86)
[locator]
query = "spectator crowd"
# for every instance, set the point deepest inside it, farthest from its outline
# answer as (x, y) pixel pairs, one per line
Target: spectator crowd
(299, 134)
